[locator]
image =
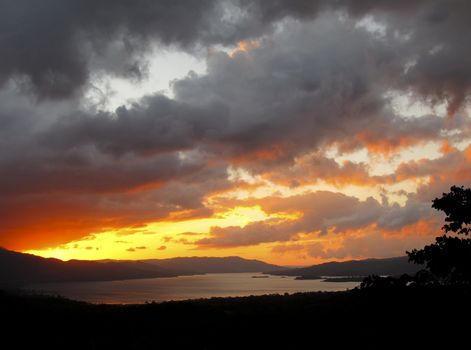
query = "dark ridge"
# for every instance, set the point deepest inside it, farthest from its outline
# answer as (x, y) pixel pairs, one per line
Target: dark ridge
(17, 269)
(215, 264)
(355, 268)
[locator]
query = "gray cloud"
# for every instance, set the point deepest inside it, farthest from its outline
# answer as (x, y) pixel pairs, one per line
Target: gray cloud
(282, 99)
(372, 244)
(321, 211)
(63, 36)
(69, 39)
(324, 212)
(156, 125)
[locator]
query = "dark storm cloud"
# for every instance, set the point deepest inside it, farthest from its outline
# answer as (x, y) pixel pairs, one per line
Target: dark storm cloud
(433, 36)
(309, 85)
(53, 45)
(81, 174)
(156, 125)
(52, 42)
(43, 152)
(436, 39)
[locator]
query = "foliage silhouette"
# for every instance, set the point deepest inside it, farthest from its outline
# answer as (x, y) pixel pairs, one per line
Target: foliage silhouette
(448, 260)
(378, 282)
(457, 206)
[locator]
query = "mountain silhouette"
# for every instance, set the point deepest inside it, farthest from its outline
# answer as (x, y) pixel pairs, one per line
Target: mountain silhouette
(390, 266)
(230, 264)
(19, 268)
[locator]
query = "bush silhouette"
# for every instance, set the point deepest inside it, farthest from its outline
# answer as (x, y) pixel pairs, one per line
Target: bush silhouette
(448, 260)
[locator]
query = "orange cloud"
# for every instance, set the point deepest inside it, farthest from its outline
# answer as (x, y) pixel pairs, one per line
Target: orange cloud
(378, 144)
(245, 46)
(369, 241)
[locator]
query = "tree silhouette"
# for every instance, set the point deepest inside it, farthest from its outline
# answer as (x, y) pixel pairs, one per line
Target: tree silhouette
(448, 260)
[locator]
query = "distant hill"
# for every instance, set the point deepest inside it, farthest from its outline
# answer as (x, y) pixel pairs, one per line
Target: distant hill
(19, 268)
(228, 264)
(390, 266)
(200, 265)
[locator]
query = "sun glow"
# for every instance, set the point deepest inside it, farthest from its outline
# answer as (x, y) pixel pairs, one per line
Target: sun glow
(156, 240)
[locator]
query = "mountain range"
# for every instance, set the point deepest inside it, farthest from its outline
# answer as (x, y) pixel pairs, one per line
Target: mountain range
(390, 266)
(19, 268)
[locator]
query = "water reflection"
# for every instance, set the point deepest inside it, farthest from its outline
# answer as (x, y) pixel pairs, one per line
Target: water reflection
(186, 287)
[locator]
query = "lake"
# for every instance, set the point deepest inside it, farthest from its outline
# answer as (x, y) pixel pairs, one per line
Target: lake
(186, 287)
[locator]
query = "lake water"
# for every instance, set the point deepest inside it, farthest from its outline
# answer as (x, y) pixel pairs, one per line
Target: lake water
(186, 287)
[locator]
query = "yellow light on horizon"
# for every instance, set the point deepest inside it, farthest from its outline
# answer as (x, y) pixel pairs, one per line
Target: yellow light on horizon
(156, 240)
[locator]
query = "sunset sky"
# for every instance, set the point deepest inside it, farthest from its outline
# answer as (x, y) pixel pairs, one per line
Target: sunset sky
(290, 131)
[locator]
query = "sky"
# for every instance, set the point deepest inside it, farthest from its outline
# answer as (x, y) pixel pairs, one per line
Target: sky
(291, 131)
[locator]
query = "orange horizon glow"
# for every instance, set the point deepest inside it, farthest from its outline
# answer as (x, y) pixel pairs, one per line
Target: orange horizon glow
(244, 204)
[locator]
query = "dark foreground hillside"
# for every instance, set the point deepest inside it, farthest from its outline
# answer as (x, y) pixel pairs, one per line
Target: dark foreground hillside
(409, 318)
